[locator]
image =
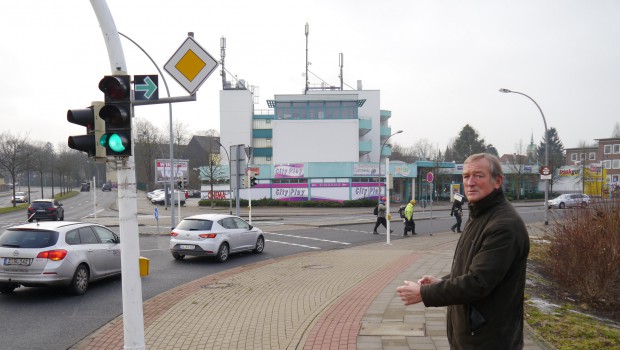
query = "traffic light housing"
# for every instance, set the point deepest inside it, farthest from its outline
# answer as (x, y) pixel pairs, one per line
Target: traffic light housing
(116, 112)
(253, 181)
(88, 117)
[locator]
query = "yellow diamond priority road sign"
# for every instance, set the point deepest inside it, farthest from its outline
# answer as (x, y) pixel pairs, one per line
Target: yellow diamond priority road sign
(191, 65)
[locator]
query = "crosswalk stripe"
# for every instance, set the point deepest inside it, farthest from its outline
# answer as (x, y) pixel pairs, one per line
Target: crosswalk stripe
(309, 238)
(293, 244)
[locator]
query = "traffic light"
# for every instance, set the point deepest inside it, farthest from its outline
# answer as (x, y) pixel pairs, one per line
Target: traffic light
(116, 113)
(253, 181)
(88, 117)
(180, 185)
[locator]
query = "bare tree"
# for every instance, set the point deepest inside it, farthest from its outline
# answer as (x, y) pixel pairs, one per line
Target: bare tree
(180, 136)
(148, 140)
(212, 172)
(13, 156)
(64, 166)
(616, 132)
(517, 166)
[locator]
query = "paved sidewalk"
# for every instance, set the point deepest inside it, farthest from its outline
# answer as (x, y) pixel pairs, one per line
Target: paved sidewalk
(337, 299)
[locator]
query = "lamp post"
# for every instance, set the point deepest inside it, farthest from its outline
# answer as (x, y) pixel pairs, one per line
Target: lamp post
(229, 179)
(387, 186)
(386, 170)
(506, 91)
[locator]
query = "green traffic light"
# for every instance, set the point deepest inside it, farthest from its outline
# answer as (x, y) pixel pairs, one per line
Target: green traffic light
(116, 143)
(103, 141)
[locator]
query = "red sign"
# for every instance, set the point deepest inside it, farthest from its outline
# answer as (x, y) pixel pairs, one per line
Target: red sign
(429, 176)
(255, 170)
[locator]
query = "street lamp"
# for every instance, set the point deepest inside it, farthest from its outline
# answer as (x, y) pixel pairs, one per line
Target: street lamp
(506, 91)
(229, 178)
(386, 169)
(387, 185)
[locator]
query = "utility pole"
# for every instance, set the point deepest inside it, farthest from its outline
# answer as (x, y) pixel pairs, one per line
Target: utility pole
(133, 316)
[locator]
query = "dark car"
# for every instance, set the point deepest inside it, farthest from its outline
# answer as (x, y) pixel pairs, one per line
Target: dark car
(45, 209)
(106, 187)
(85, 187)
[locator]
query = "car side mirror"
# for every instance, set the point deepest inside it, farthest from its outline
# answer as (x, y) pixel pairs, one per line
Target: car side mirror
(251, 227)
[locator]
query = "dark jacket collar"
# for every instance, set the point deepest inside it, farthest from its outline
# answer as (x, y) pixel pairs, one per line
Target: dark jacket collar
(494, 198)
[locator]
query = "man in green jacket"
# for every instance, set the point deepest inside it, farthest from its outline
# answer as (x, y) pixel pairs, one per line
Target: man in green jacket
(409, 223)
(484, 291)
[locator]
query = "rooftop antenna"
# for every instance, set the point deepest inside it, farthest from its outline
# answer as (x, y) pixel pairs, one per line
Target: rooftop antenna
(341, 62)
(222, 55)
(307, 63)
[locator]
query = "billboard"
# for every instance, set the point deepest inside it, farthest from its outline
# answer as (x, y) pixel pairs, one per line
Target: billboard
(163, 170)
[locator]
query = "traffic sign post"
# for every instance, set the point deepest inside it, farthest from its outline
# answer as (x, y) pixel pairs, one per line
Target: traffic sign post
(429, 178)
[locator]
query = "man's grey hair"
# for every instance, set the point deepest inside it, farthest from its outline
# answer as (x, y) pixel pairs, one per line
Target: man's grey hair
(496, 168)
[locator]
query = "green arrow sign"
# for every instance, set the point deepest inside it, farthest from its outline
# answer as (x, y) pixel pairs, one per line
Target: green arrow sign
(145, 84)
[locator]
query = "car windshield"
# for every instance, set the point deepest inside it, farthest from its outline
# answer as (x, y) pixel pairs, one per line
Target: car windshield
(20, 193)
(17, 238)
(195, 225)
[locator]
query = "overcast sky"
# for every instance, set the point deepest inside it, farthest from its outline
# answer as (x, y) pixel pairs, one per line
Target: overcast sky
(439, 64)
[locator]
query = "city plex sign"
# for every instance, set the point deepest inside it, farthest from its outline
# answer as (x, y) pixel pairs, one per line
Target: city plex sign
(163, 170)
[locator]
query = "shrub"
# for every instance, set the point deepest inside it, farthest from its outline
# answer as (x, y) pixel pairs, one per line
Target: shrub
(584, 253)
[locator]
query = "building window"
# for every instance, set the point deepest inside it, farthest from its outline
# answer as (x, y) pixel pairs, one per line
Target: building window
(592, 156)
(289, 181)
(582, 156)
(268, 159)
(614, 178)
(615, 163)
(607, 164)
(573, 157)
(616, 149)
(607, 149)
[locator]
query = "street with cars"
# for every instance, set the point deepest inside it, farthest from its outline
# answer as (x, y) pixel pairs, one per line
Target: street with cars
(284, 231)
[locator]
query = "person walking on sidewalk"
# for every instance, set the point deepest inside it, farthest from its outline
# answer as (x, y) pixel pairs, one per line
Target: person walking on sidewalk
(485, 288)
(409, 223)
(457, 212)
(381, 209)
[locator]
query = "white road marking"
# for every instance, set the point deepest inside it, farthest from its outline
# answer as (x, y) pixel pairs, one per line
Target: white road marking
(293, 244)
(310, 238)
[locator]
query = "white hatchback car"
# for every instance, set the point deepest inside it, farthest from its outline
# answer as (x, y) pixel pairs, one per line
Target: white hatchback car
(216, 235)
(20, 197)
(57, 254)
(570, 200)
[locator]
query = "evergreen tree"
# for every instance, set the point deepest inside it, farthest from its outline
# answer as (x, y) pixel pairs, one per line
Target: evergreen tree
(467, 143)
(557, 158)
(448, 154)
(492, 150)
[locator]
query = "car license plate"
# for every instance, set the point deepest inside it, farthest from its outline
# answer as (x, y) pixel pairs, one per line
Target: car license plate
(187, 246)
(17, 261)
